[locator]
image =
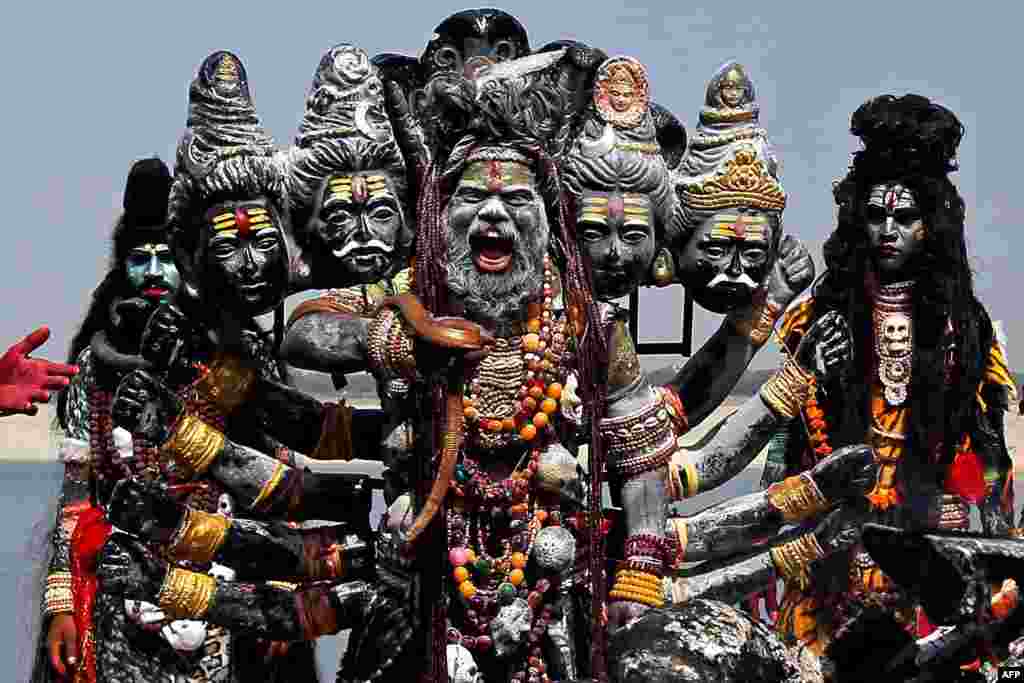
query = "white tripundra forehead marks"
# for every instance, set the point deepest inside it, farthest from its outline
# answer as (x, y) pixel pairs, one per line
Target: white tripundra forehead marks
(892, 197)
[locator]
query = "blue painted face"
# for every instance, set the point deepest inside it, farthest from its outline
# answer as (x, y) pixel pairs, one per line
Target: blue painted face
(151, 271)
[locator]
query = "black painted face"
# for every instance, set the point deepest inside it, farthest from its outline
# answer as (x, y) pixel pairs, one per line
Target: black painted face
(727, 258)
(357, 220)
(244, 261)
(895, 230)
(616, 232)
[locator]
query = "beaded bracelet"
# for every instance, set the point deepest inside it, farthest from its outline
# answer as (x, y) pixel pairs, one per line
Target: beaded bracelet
(59, 597)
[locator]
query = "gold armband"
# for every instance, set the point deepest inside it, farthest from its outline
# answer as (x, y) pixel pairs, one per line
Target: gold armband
(768, 313)
(199, 537)
(793, 559)
(1016, 532)
(59, 598)
(227, 384)
(194, 445)
(798, 498)
(787, 390)
(185, 594)
(638, 586)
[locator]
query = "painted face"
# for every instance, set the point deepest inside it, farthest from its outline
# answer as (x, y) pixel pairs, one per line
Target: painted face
(151, 271)
(244, 259)
(895, 230)
(495, 205)
(616, 231)
(732, 91)
(497, 236)
(727, 258)
(621, 93)
(358, 219)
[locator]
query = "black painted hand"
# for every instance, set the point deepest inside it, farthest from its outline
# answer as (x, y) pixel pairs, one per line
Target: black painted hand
(144, 509)
(848, 473)
(128, 318)
(841, 529)
(145, 406)
(792, 273)
(408, 130)
(128, 568)
(826, 349)
(165, 339)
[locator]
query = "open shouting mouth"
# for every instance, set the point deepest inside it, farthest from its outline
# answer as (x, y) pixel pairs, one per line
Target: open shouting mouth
(492, 253)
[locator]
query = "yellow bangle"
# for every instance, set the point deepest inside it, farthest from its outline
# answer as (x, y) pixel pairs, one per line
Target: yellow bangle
(199, 537)
(194, 445)
(793, 559)
(798, 498)
(636, 597)
(185, 594)
(787, 390)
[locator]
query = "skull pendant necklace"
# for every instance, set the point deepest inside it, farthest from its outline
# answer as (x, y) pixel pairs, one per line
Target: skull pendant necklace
(894, 339)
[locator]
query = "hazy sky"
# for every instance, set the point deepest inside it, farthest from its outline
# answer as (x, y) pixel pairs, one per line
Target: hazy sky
(89, 88)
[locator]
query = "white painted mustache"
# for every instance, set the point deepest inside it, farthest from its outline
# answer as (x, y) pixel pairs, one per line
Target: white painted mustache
(743, 279)
(372, 244)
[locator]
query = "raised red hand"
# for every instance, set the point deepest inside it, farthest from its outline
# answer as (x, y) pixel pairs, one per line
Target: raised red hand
(26, 381)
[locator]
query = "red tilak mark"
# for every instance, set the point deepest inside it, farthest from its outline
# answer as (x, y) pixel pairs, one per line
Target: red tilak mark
(740, 227)
(615, 207)
(890, 200)
(242, 221)
(494, 176)
(359, 191)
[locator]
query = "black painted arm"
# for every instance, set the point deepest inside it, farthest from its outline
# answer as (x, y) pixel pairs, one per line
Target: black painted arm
(327, 342)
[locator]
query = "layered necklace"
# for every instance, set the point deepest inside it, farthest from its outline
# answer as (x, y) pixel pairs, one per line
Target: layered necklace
(892, 315)
(513, 399)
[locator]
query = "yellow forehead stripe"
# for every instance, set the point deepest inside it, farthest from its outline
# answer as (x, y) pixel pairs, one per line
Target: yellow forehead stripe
(740, 227)
(489, 173)
(594, 217)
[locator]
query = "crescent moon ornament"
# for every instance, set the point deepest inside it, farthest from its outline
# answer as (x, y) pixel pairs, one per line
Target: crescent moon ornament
(363, 124)
(592, 148)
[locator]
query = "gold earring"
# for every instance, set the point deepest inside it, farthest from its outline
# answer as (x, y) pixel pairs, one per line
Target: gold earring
(663, 269)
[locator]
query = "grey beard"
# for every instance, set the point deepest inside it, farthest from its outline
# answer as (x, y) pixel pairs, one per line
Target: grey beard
(497, 297)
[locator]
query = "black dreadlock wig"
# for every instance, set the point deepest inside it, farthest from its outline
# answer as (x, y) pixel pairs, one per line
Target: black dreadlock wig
(144, 219)
(912, 141)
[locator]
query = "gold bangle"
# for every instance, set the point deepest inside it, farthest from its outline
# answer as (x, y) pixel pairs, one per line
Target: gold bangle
(793, 559)
(227, 384)
(268, 488)
(787, 390)
(200, 536)
(765, 325)
(194, 445)
(798, 498)
(1016, 532)
(185, 594)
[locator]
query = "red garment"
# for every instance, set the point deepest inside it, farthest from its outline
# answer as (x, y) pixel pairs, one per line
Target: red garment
(90, 535)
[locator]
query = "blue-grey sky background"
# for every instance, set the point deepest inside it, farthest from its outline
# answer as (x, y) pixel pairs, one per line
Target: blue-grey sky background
(90, 87)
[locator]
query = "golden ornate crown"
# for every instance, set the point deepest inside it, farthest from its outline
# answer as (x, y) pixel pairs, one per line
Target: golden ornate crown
(743, 182)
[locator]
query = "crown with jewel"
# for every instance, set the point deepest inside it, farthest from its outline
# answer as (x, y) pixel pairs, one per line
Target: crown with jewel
(743, 181)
